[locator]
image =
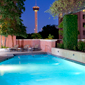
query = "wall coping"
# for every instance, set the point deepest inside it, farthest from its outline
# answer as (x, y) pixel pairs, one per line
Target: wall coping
(69, 50)
(69, 54)
(27, 39)
(39, 39)
(52, 40)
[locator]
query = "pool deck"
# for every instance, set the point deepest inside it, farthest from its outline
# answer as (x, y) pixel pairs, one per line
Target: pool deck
(7, 55)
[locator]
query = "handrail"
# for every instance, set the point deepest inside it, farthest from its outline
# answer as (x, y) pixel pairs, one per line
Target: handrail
(49, 48)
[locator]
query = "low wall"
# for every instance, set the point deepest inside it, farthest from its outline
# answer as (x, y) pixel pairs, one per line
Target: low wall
(44, 45)
(30, 42)
(74, 55)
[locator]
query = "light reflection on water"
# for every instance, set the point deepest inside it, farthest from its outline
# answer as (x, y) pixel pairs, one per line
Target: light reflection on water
(41, 70)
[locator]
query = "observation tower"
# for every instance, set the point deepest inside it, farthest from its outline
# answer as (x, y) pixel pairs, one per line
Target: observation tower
(36, 9)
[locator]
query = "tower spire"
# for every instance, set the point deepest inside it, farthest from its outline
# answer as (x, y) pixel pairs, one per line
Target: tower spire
(35, 2)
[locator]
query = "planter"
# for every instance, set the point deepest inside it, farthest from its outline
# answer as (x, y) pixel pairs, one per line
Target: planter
(4, 49)
(73, 55)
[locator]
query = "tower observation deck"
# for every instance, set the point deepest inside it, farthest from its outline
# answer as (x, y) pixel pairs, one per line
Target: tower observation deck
(36, 9)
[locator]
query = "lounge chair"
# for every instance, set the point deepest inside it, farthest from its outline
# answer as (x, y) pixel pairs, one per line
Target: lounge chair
(36, 48)
(14, 48)
(25, 48)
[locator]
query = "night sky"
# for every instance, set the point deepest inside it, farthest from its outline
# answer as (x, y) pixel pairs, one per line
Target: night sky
(43, 18)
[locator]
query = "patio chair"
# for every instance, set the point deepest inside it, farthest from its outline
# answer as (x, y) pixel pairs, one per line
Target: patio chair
(36, 48)
(14, 48)
(25, 48)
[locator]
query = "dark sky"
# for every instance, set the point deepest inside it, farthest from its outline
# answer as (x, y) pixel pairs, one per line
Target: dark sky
(43, 18)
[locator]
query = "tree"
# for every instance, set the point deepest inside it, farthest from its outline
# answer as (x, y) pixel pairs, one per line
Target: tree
(4, 31)
(10, 12)
(49, 29)
(36, 36)
(62, 7)
(66, 8)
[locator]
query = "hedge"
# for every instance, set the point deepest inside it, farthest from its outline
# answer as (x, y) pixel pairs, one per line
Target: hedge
(61, 25)
(70, 31)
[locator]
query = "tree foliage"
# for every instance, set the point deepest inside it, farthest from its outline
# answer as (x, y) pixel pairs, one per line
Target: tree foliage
(61, 32)
(46, 30)
(66, 6)
(49, 29)
(36, 36)
(81, 46)
(10, 17)
(60, 25)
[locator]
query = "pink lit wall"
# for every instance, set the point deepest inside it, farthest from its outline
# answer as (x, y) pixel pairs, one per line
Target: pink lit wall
(9, 41)
(44, 45)
(30, 42)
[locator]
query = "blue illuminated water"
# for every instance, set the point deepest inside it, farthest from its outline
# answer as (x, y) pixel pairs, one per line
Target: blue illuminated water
(41, 70)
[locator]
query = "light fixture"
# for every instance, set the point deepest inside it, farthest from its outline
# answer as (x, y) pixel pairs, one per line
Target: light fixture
(60, 15)
(83, 10)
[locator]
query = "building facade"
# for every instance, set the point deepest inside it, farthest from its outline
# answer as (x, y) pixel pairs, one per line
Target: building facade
(81, 25)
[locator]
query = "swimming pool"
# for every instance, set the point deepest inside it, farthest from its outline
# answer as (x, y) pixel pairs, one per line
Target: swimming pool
(41, 69)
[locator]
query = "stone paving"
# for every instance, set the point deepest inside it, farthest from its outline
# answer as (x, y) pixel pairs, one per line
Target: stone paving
(7, 55)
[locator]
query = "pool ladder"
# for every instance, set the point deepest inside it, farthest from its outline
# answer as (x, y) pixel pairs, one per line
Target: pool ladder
(48, 52)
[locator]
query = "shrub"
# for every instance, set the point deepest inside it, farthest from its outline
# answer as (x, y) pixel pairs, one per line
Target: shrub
(61, 32)
(70, 31)
(78, 32)
(3, 46)
(50, 36)
(60, 45)
(84, 26)
(75, 48)
(36, 36)
(81, 45)
(60, 25)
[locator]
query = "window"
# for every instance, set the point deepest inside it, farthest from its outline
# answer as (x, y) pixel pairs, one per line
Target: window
(84, 25)
(83, 32)
(84, 16)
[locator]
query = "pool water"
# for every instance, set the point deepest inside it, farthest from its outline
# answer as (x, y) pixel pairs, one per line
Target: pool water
(41, 69)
